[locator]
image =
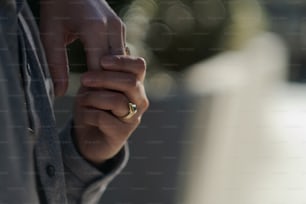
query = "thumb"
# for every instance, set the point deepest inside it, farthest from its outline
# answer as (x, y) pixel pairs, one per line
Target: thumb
(55, 49)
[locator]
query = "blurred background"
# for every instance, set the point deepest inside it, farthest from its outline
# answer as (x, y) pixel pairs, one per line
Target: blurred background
(226, 81)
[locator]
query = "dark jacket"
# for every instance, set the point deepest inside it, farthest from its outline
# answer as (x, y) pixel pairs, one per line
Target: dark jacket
(37, 164)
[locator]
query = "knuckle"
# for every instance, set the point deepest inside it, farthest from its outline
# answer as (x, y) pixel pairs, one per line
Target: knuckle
(96, 25)
(123, 27)
(141, 62)
(115, 22)
(141, 65)
(137, 120)
(145, 103)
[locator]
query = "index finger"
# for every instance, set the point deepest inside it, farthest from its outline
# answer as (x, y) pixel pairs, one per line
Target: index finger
(116, 36)
(94, 40)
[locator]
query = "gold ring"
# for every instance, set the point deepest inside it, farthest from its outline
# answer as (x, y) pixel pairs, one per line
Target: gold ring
(132, 111)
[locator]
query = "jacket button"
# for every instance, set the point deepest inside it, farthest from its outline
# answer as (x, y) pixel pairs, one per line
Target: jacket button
(50, 170)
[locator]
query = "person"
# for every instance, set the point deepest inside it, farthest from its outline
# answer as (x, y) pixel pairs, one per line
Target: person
(38, 164)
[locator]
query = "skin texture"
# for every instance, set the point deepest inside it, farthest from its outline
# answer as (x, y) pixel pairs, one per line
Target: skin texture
(113, 79)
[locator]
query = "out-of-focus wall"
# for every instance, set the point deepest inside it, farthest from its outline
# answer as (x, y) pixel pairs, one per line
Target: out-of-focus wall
(228, 161)
(287, 19)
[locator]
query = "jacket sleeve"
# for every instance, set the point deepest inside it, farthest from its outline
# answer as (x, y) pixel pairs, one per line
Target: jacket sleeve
(16, 161)
(85, 183)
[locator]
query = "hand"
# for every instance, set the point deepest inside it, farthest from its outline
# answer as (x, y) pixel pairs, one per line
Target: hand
(101, 103)
(92, 21)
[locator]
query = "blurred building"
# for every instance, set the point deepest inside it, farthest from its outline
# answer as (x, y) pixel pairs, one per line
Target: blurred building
(287, 19)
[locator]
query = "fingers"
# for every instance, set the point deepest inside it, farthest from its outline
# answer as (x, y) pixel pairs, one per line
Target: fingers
(121, 63)
(92, 102)
(94, 40)
(116, 33)
(125, 83)
(118, 81)
(56, 54)
(114, 102)
(108, 124)
(102, 37)
(123, 74)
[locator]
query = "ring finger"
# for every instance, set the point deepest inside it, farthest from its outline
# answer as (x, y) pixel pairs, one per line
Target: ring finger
(115, 102)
